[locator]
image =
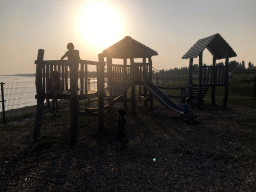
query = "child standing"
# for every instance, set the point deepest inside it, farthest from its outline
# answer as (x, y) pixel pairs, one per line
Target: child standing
(121, 126)
(72, 54)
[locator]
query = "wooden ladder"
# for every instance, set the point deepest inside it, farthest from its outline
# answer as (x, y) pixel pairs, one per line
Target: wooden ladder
(205, 88)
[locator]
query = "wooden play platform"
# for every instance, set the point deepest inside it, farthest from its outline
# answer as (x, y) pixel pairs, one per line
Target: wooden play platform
(209, 76)
(121, 77)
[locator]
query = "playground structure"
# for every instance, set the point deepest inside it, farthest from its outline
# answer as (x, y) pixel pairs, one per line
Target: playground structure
(209, 76)
(120, 77)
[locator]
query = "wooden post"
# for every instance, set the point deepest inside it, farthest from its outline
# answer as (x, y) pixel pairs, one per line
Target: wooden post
(66, 77)
(133, 96)
(214, 78)
(109, 67)
(150, 79)
(43, 70)
(145, 79)
(62, 77)
(140, 77)
(40, 94)
(190, 77)
(74, 101)
(204, 76)
(82, 93)
(47, 78)
(126, 81)
(100, 80)
(225, 100)
(85, 80)
(2, 93)
(182, 94)
(200, 80)
(254, 93)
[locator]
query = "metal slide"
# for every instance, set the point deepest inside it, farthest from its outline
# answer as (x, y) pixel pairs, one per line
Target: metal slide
(165, 100)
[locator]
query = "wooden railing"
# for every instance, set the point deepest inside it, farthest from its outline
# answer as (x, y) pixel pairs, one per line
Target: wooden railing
(63, 67)
(208, 75)
(121, 73)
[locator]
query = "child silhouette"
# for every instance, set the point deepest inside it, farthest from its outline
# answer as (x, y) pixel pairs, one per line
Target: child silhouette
(72, 54)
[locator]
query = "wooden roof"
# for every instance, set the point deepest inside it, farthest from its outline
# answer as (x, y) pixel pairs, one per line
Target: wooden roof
(215, 44)
(128, 48)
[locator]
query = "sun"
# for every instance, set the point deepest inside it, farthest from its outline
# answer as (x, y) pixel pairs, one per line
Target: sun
(100, 25)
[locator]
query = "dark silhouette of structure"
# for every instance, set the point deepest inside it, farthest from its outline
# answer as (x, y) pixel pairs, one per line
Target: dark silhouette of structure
(209, 76)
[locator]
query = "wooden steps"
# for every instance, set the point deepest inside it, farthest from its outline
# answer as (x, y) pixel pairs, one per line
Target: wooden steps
(204, 90)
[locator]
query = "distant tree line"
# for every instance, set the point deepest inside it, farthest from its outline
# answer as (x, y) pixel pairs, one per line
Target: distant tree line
(234, 66)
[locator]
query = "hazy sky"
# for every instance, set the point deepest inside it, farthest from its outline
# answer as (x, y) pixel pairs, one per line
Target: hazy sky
(170, 27)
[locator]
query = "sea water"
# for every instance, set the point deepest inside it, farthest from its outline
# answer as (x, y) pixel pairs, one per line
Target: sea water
(20, 91)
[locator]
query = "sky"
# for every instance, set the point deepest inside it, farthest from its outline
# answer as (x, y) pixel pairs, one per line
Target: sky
(170, 27)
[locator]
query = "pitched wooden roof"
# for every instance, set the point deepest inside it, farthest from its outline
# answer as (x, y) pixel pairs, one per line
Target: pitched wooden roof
(129, 48)
(215, 44)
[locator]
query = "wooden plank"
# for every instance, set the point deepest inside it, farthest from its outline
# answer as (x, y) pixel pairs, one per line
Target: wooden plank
(200, 79)
(208, 75)
(54, 62)
(85, 79)
(140, 76)
(101, 93)
(82, 81)
(171, 88)
(66, 77)
(150, 79)
(43, 68)
(204, 75)
(62, 77)
(125, 80)
(214, 74)
(144, 79)
(40, 93)
(133, 96)
(47, 74)
(190, 77)
(74, 103)
(225, 100)
(89, 62)
(141, 64)
(109, 68)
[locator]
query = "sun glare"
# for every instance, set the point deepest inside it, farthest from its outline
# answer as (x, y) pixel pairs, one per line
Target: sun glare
(100, 25)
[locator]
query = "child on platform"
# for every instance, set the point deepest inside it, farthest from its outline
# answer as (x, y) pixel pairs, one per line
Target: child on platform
(72, 54)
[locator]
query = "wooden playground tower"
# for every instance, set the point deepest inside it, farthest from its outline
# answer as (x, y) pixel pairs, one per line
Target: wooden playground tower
(120, 77)
(209, 76)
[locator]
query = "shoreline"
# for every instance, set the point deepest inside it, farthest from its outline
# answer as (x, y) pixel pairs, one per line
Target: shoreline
(19, 111)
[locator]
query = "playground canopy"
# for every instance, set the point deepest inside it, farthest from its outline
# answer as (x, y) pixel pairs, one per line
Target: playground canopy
(128, 48)
(215, 44)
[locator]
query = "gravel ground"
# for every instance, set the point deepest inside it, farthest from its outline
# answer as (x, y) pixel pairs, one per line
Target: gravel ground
(163, 153)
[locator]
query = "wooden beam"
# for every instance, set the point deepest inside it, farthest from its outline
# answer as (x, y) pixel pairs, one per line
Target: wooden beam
(100, 80)
(190, 77)
(214, 78)
(150, 79)
(74, 102)
(40, 94)
(110, 79)
(133, 96)
(145, 79)
(125, 79)
(200, 80)
(85, 80)
(226, 82)
(81, 76)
